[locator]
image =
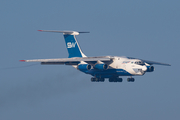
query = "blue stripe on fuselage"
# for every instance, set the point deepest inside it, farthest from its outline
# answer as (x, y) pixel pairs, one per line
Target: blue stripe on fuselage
(107, 73)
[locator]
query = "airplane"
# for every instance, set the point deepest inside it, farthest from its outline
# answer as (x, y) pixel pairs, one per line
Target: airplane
(100, 67)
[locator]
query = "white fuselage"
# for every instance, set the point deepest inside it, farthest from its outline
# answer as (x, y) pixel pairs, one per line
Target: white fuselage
(120, 66)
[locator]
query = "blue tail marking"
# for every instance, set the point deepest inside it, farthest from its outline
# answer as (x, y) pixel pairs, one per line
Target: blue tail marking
(72, 46)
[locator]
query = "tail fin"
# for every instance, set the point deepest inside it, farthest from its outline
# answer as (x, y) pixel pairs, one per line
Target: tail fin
(72, 45)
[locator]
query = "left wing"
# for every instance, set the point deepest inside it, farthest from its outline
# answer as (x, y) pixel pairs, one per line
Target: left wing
(71, 61)
(157, 63)
(151, 62)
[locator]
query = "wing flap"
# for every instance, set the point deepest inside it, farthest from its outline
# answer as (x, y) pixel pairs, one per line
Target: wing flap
(60, 63)
(70, 61)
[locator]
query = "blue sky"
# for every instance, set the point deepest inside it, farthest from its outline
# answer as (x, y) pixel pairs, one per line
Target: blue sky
(137, 28)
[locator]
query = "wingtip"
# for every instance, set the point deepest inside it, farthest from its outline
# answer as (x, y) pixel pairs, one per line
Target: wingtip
(85, 32)
(22, 60)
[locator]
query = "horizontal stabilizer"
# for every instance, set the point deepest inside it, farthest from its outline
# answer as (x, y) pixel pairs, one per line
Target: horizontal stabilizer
(64, 32)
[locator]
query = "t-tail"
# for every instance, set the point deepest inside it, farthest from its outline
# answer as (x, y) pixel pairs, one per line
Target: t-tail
(72, 45)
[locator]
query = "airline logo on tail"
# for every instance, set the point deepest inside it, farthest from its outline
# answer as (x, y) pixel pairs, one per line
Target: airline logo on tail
(71, 45)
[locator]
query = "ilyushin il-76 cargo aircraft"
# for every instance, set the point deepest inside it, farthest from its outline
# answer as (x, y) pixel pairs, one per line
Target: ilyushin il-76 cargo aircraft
(101, 67)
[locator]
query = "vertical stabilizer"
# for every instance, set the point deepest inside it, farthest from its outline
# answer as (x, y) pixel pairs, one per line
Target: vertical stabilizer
(72, 45)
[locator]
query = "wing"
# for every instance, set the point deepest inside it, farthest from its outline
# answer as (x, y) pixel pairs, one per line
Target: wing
(151, 62)
(71, 61)
(157, 63)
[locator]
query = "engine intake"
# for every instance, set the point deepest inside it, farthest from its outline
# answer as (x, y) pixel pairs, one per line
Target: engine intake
(150, 69)
(84, 67)
(101, 66)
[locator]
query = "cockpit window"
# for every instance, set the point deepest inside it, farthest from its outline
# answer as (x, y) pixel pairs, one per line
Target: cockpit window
(140, 63)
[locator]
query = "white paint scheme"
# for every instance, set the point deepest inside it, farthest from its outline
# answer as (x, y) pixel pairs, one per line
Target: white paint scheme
(121, 66)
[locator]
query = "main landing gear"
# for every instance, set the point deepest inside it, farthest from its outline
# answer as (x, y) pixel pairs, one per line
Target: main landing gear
(93, 79)
(130, 79)
(115, 79)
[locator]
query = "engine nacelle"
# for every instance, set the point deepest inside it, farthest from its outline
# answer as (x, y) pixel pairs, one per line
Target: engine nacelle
(101, 66)
(84, 67)
(150, 69)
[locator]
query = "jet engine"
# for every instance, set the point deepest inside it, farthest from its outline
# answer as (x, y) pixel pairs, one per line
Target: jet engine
(84, 67)
(150, 69)
(101, 66)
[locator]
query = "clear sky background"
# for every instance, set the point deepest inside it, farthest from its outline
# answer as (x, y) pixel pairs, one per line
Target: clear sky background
(147, 29)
